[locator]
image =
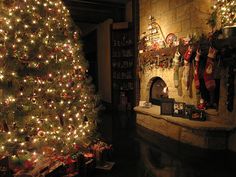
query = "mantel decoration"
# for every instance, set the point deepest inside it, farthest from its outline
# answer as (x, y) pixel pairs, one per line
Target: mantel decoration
(202, 56)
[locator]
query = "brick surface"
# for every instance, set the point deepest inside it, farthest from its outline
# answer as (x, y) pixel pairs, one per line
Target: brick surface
(169, 12)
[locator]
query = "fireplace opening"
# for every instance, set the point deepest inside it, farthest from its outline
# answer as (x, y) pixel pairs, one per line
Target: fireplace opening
(158, 91)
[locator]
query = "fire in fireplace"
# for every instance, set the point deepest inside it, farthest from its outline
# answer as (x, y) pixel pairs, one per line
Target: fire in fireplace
(158, 91)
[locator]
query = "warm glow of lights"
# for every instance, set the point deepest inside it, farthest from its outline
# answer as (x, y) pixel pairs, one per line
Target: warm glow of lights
(41, 82)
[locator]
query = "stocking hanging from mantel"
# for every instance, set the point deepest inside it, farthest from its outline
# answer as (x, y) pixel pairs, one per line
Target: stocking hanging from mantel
(186, 70)
(209, 70)
(176, 63)
(209, 75)
(196, 70)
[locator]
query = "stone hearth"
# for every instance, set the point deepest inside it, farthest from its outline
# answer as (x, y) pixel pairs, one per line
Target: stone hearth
(207, 134)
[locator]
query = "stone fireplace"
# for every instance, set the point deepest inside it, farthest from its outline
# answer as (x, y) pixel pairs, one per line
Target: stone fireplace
(157, 83)
(158, 91)
(217, 132)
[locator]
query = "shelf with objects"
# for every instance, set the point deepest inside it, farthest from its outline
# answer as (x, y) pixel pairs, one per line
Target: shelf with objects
(122, 66)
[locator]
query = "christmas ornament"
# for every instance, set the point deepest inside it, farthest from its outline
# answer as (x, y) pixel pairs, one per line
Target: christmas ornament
(41, 133)
(172, 40)
(33, 100)
(71, 128)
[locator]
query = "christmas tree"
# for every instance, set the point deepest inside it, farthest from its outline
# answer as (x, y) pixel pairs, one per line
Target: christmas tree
(224, 11)
(47, 100)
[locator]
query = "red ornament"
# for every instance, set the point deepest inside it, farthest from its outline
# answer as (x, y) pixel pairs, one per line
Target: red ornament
(28, 165)
(41, 133)
(69, 160)
(77, 147)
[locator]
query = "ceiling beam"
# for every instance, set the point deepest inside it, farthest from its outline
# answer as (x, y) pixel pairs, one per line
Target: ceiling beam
(95, 11)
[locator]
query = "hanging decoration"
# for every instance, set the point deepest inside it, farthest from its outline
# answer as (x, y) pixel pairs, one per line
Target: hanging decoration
(161, 58)
(209, 70)
(196, 70)
(186, 71)
(156, 50)
(154, 37)
(176, 63)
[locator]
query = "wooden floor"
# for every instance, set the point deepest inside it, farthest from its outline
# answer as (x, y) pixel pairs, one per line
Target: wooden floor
(118, 128)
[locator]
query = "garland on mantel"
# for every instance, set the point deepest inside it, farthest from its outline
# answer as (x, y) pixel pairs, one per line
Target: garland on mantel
(163, 57)
(160, 58)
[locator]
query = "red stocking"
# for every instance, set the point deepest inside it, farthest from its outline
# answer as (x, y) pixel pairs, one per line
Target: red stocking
(209, 70)
(196, 70)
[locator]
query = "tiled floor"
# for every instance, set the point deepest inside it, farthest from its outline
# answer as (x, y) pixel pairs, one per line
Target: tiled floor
(140, 153)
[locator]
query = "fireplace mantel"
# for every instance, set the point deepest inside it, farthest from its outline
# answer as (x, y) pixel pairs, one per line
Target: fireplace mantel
(206, 134)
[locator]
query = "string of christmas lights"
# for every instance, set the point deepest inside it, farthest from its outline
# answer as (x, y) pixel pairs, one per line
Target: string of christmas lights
(226, 9)
(47, 100)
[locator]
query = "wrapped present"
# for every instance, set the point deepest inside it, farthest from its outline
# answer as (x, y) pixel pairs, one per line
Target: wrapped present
(41, 167)
(102, 152)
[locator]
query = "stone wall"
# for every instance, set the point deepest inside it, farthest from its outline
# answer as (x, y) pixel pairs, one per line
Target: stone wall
(181, 17)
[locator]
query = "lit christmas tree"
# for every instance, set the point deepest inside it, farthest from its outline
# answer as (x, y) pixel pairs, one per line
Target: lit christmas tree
(225, 11)
(46, 98)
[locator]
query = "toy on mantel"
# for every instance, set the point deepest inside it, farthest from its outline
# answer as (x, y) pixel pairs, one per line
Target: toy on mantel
(202, 104)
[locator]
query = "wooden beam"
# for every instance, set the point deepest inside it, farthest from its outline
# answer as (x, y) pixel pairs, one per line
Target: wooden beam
(95, 12)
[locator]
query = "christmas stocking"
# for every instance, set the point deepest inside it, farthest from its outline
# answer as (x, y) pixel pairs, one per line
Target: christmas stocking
(196, 70)
(176, 68)
(209, 70)
(186, 75)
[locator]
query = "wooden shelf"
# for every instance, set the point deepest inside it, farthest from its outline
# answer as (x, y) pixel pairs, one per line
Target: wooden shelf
(122, 65)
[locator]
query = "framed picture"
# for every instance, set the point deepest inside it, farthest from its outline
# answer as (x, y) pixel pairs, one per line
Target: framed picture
(188, 111)
(197, 114)
(179, 109)
(167, 106)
